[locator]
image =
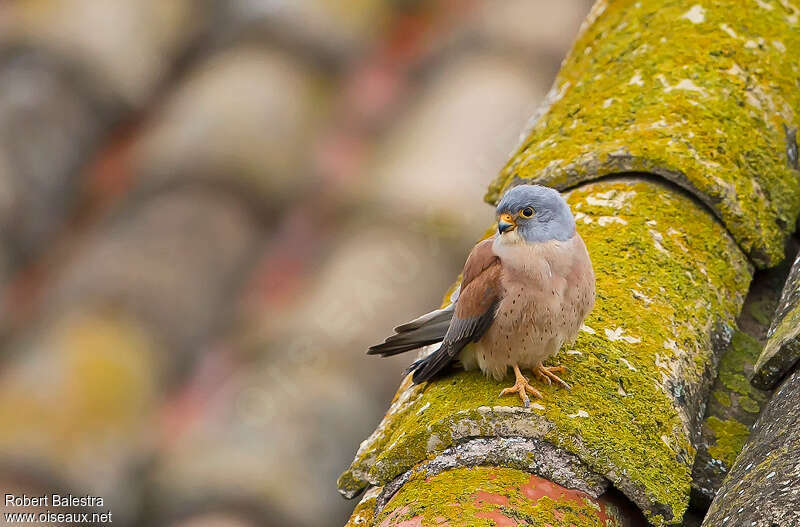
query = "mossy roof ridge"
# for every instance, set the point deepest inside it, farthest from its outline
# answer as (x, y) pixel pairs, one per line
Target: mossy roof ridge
(491, 496)
(364, 513)
(670, 280)
(694, 91)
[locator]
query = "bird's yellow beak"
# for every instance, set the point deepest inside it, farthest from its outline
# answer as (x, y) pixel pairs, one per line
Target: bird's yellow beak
(506, 223)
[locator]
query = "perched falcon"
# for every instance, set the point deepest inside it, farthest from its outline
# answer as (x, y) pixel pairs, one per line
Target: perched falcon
(524, 293)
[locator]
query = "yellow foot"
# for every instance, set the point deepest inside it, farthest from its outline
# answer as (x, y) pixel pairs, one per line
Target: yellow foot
(548, 373)
(522, 388)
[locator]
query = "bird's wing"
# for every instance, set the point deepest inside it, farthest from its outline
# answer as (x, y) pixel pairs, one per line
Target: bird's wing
(480, 258)
(473, 314)
(432, 327)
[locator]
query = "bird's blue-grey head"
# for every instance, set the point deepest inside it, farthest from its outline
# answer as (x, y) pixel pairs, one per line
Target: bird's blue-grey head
(536, 214)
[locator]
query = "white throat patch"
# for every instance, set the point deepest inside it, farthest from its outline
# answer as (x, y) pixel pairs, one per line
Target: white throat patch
(508, 238)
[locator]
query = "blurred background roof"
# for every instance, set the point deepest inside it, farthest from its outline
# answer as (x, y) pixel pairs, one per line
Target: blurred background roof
(209, 209)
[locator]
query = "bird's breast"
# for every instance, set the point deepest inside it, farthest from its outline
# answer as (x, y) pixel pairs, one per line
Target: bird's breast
(548, 288)
(536, 264)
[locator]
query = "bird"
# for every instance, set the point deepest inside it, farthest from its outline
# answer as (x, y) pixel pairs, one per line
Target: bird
(524, 293)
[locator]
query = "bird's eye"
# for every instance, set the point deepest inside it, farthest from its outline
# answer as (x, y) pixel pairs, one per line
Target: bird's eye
(527, 212)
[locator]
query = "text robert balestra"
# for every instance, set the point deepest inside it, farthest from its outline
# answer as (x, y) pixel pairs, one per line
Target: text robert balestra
(52, 500)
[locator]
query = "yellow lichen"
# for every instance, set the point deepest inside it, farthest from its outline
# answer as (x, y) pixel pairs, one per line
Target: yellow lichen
(647, 90)
(480, 496)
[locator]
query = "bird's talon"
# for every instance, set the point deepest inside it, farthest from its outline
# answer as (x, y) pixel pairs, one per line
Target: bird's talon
(548, 373)
(522, 388)
(533, 391)
(542, 377)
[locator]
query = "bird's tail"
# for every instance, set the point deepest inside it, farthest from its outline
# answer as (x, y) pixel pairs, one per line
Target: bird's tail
(427, 329)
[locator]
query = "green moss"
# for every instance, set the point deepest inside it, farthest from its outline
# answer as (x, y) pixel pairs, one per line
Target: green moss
(475, 497)
(722, 398)
(734, 382)
(647, 90)
(749, 405)
(667, 274)
(349, 484)
(736, 364)
(730, 436)
(761, 311)
(735, 401)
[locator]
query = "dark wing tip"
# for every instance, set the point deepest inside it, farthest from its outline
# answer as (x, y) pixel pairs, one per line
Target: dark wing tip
(394, 345)
(413, 367)
(429, 367)
(377, 349)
